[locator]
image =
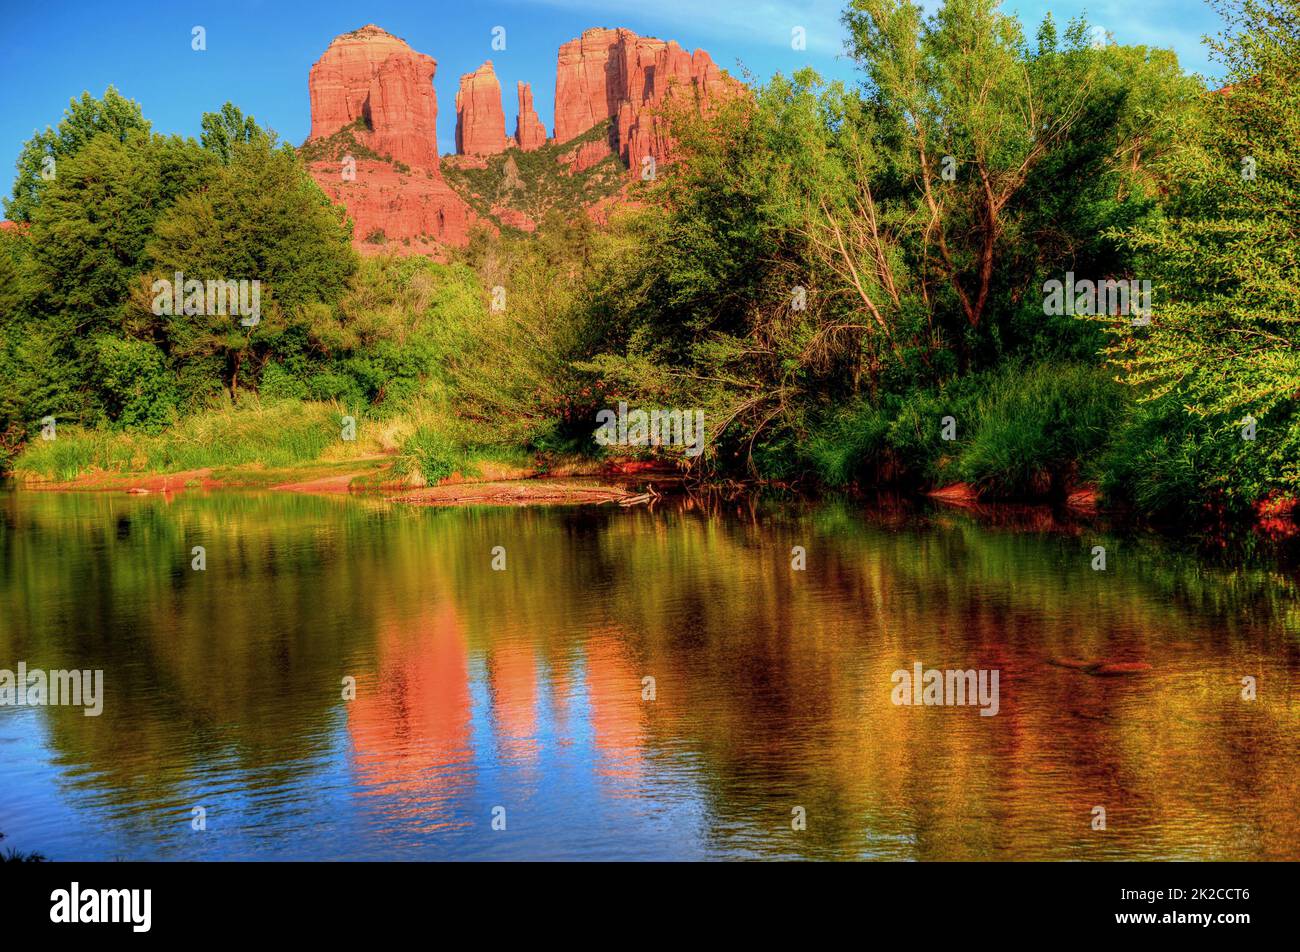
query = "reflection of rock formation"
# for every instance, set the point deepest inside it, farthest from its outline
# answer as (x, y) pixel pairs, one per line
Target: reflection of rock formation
(512, 678)
(410, 728)
(614, 692)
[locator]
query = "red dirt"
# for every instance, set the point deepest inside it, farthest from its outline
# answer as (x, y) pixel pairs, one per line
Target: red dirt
(326, 484)
(956, 492)
(512, 493)
(133, 483)
(1086, 499)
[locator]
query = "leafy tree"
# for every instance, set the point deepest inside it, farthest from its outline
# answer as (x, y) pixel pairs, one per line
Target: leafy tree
(89, 232)
(222, 130)
(42, 155)
(79, 258)
(140, 393)
(1225, 262)
(260, 218)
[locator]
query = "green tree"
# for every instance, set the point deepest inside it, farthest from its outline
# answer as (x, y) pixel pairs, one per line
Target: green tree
(261, 218)
(1225, 263)
(221, 130)
(42, 154)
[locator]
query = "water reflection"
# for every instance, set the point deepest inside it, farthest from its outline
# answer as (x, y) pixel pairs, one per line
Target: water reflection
(523, 694)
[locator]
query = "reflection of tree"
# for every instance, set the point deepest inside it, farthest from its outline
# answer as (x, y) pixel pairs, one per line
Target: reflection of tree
(239, 664)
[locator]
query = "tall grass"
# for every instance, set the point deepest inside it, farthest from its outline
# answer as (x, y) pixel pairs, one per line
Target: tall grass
(1041, 430)
(267, 433)
(1021, 433)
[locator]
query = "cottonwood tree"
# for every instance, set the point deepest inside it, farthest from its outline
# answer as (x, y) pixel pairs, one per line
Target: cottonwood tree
(85, 118)
(969, 113)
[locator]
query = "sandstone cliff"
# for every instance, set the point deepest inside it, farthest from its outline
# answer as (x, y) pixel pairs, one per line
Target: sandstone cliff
(371, 75)
(530, 134)
(620, 76)
(374, 145)
(480, 122)
(374, 142)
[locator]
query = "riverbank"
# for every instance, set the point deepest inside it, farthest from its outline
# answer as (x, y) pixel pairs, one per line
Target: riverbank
(487, 480)
(321, 448)
(563, 482)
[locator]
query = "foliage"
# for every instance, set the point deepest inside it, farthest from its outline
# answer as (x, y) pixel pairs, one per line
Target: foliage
(1225, 260)
(267, 432)
(139, 393)
(83, 120)
(538, 182)
(223, 130)
(824, 270)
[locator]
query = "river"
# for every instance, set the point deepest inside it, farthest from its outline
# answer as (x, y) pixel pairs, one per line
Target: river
(352, 679)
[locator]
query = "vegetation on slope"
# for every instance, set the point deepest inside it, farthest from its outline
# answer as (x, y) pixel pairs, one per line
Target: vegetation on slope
(539, 182)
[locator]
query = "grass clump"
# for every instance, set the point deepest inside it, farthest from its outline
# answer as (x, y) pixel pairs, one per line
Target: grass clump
(1020, 433)
(270, 433)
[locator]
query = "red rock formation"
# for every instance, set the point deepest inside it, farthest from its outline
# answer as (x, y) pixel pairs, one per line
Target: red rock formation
(377, 92)
(668, 74)
(387, 205)
(580, 158)
(617, 75)
(480, 122)
(530, 134)
(372, 75)
(514, 218)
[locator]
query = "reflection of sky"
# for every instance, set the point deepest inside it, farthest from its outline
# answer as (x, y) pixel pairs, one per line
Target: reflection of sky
(562, 784)
(548, 748)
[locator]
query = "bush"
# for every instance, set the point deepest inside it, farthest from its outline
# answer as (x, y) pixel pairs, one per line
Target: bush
(431, 453)
(278, 383)
(138, 391)
(1152, 464)
(1040, 430)
(1020, 434)
(1166, 463)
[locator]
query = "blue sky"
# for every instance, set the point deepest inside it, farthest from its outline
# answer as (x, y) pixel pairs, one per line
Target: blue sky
(259, 51)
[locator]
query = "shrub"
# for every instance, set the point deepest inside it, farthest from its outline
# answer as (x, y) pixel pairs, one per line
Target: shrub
(432, 454)
(138, 390)
(1039, 429)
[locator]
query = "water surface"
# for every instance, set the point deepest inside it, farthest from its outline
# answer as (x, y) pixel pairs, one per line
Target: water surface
(523, 691)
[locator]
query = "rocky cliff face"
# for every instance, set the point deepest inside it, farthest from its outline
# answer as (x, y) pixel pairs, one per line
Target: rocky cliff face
(480, 123)
(372, 76)
(530, 134)
(374, 142)
(618, 75)
(374, 145)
